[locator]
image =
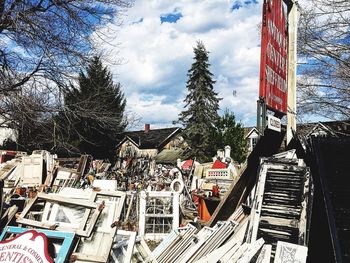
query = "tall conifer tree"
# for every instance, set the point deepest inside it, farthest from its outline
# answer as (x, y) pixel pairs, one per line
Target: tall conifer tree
(95, 111)
(201, 107)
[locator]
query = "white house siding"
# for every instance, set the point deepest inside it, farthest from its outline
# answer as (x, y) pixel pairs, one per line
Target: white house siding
(128, 149)
(252, 139)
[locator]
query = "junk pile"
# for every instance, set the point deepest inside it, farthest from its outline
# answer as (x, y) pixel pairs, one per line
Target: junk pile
(81, 222)
(91, 211)
(274, 230)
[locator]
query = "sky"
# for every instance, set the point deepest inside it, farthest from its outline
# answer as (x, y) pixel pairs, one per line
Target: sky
(155, 44)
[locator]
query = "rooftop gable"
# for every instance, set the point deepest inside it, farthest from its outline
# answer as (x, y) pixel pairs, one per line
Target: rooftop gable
(333, 128)
(152, 139)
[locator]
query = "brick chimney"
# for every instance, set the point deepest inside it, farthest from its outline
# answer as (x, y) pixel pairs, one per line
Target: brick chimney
(147, 127)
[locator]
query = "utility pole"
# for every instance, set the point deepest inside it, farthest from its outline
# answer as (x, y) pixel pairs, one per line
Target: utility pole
(293, 18)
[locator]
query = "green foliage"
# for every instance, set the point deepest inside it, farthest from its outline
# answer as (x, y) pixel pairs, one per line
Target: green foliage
(201, 107)
(229, 132)
(94, 112)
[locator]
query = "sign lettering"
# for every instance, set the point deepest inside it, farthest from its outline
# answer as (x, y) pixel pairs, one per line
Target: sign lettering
(29, 247)
(273, 64)
(273, 123)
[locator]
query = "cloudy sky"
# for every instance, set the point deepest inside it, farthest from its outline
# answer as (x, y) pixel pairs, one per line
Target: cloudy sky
(156, 44)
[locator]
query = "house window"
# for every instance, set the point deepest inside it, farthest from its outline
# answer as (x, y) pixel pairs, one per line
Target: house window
(254, 142)
(128, 150)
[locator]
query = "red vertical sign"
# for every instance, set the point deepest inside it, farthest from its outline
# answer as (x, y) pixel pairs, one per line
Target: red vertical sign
(273, 62)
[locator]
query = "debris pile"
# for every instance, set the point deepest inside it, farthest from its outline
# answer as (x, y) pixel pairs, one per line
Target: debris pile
(281, 210)
(92, 211)
(276, 228)
(59, 197)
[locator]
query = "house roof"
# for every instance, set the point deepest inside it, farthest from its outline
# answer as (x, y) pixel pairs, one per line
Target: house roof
(249, 130)
(169, 156)
(218, 165)
(153, 139)
(333, 128)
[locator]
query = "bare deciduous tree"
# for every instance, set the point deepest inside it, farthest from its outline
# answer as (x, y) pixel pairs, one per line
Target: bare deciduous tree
(43, 43)
(48, 39)
(28, 113)
(324, 48)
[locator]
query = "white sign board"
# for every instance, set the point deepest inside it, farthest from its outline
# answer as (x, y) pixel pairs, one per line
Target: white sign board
(273, 123)
(30, 247)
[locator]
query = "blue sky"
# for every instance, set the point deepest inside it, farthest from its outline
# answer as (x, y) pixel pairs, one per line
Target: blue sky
(155, 43)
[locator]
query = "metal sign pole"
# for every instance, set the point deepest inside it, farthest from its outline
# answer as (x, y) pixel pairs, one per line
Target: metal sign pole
(258, 116)
(261, 116)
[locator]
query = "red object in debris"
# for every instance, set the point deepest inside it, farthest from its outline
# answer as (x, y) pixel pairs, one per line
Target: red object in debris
(20, 191)
(187, 164)
(219, 165)
(195, 198)
(206, 207)
(7, 155)
(215, 191)
(203, 212)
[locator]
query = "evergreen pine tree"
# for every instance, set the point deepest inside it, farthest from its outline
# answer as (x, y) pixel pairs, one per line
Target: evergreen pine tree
(201, 107)
(94, 112)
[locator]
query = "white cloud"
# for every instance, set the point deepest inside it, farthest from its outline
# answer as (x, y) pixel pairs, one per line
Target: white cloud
(152, 108)
(158, 55)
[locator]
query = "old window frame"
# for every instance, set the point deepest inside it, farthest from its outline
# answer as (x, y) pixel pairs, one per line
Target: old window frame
(31, 171)
(91, 208)
(144, 195)
(67, 179)
(129, 247)
(97, 255)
